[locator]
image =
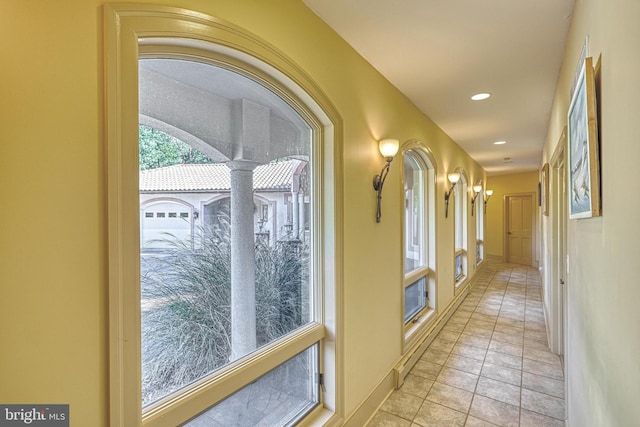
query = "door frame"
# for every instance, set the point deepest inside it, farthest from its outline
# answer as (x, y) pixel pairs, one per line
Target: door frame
(534, 226)
(559, 326)
(558, 248)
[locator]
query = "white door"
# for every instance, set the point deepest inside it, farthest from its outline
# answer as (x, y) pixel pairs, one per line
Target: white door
(520, 229)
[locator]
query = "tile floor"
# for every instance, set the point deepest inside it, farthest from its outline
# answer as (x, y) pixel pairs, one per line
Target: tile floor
(490, 364)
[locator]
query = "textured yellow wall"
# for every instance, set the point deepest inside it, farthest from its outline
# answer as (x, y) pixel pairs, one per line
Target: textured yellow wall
(503, 185)
(53, 304)
(53, 321)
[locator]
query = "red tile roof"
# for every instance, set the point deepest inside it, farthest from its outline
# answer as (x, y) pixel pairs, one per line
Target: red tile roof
(276, 176)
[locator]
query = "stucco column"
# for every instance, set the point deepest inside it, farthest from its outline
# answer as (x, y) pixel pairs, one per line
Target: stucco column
(243, 260)
(295, 215)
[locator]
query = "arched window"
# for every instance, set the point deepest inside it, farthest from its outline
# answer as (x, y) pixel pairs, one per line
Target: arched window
(419, 240)
(479, 211)
(460, 233)
(197, 329)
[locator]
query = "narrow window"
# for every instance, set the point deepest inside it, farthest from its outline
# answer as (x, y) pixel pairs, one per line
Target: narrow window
(414, 218)
(460, 209)
(479, 207)
(415, 298)
(419, 240)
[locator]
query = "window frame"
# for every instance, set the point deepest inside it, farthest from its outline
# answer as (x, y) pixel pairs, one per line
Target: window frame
(415, 328)
(132, 30)
(460, 230)
(479, 207)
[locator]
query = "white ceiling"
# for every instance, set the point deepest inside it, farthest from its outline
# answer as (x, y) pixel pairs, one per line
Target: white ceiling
(440, 52)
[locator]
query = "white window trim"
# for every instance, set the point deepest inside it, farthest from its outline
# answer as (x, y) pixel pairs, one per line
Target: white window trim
(415, 331)
(480, 226)
(482, 259)
(463, 254)
(126, 28)
(461, 225)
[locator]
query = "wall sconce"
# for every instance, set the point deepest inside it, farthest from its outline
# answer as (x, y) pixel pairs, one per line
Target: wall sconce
(486, 199)
(388, 148)
(453, 177)
(476, 189)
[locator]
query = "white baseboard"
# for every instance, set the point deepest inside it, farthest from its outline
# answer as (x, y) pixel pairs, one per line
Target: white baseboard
(372, 402)
(495, 258)
(395, 378)
(407, 362)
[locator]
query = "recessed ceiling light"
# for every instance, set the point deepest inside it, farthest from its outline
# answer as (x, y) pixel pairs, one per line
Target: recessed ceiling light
(500, 142)
(480, 96)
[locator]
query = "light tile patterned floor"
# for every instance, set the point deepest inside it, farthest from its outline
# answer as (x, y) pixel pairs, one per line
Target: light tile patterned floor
(490, 364)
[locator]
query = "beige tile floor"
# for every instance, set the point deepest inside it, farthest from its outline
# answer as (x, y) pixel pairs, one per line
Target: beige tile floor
(490, 364)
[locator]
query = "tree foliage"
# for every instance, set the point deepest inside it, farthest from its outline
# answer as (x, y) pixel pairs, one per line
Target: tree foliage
(159, 149)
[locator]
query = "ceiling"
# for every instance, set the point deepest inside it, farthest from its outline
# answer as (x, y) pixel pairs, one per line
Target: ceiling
(441, 52)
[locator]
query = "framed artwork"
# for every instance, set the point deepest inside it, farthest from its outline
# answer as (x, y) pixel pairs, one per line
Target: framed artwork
(544, 189)
(584, 159)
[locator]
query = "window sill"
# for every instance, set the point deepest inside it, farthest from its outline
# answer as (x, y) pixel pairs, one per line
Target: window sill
(460, 284)
(320, 416)
(413, 331)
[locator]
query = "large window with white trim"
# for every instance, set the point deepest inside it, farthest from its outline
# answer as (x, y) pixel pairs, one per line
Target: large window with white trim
(418, 238)
(479, 211)
(460, 237)
(221, 258)
(235, 292)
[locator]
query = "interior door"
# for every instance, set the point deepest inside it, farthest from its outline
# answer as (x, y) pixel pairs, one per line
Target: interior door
(562, 258)
(561, 282)
(520, 229)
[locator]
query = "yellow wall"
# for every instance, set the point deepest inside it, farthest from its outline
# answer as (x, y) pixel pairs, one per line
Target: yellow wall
(53, 308)
(602, 285)
(503, 185)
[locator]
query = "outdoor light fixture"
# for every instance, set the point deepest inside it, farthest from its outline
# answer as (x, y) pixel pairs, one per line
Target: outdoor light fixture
(453, 177)
(486, 199)
(388, 148)
(476, 189)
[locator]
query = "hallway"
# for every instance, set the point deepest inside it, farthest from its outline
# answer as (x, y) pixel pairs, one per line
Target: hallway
(490, 364)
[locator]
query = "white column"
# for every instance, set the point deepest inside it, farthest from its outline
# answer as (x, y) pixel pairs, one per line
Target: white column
(295, 215)
(243, 260)
(301, 217)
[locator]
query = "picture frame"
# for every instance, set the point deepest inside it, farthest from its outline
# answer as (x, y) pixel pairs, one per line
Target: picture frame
(544, 189)
(584, 159)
